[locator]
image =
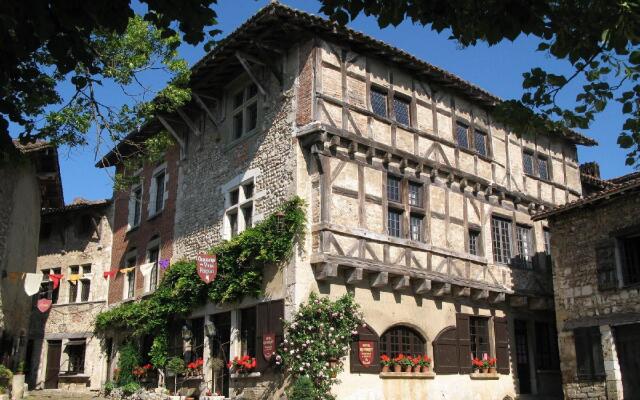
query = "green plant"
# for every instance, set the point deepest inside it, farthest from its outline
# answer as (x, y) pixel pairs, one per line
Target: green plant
(130, 388)
(129, 359)
(241, 261)
(319, 334)
(302, 389)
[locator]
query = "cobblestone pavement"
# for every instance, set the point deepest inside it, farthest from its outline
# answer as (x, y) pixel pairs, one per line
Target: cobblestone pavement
(57, 394)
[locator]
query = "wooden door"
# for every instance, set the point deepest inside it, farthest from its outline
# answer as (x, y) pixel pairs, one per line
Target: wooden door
(54, 350)
(628, 348)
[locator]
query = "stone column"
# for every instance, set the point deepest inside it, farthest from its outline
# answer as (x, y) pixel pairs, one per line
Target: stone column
(611, 364)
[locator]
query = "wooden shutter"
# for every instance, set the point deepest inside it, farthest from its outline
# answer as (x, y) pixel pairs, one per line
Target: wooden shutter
(268, 320)
(606, 265)
(365, 333)
(501, 334)
(464, 343)
(445, 352)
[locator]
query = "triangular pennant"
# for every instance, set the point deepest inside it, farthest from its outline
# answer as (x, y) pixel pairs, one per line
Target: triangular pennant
(44, 305)
(32, 283)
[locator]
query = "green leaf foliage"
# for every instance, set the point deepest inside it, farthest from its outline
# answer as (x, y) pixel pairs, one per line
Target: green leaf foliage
(241, 261)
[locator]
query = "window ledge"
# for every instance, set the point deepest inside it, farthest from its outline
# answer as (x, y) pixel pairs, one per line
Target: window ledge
(407, 375)
(484, 376)
(246, 376)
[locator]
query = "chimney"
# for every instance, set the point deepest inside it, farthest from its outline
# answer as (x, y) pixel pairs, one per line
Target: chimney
(591, 168)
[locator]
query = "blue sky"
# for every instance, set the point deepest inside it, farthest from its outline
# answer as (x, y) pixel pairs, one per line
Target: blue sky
(497, 69)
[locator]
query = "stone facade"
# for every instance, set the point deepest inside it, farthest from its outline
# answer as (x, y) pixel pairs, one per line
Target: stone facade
(591, 288)
(75, 239)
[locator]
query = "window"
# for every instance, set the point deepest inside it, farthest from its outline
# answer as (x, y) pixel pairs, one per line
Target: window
(630, 257)
(462, 132)
(480, 142)
(524, 247)
(73, 287)
(479, 336)
(245, 111)
(75, 350)
(393, 189)
(401, 111)
(248, 331)
(589, 353)
(85, 283)
(154, 255)
(240, 207)
(546, 346)
(394, 222)
(501, 240)
(416, 227)
(136, 204)
(527, 163)
(401, 339)
(379, 102)
(474, 242)
(415, 194)
(159, 192)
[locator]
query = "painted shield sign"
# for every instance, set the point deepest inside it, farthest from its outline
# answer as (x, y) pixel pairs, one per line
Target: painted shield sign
(365, 352)
(268, 345)
(207, 266)
(44, 305)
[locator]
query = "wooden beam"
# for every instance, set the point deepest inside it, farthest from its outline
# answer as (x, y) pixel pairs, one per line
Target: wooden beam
(479, 294)
(380, 279)
(440, 289)
(354, 275)
(324, 271)
(421, 286)
(402, 283)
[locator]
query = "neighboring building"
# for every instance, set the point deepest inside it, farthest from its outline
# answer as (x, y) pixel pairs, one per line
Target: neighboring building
(75, 242)
(418, 204)
(30, 178)
(595, 245)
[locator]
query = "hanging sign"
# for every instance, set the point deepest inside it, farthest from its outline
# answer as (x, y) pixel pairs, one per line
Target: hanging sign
(44, 305)
(207, 267)
(365, 352)
(268, 345)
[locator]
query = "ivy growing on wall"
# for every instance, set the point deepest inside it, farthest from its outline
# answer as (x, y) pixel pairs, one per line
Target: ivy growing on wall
(241, 262)
(317, 339)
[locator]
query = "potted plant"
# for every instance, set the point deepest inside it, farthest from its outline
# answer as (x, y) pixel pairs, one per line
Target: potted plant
(175, 366)
(17, 383)
(492, 365)
(386, 363)
(242, 365)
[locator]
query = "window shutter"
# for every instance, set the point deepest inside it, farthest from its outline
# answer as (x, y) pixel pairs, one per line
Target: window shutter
(501, 334)
(606, 265)
(464, 343)
(365, 333)
(445, 352)
(268, 320)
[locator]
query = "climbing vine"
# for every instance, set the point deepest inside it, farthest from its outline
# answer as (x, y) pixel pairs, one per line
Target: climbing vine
(241, 261)
(316, 340)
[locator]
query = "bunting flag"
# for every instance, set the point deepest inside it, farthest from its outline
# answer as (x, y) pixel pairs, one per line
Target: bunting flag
(44, 305)
(15, 276)
(73, 278)
(109, 274)
(164, 263)
(127, 270)
(145, 269)
(32, 283)
(55, 278)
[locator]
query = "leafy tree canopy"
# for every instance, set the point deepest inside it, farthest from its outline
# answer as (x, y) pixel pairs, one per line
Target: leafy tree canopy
(599, 38)
(88, 44)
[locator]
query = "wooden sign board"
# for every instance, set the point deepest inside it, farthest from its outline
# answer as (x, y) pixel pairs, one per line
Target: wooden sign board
(207, 267)
(366, 352)
(268, 345)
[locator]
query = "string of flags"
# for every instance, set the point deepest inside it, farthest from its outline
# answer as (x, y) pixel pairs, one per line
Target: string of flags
(33, 280)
